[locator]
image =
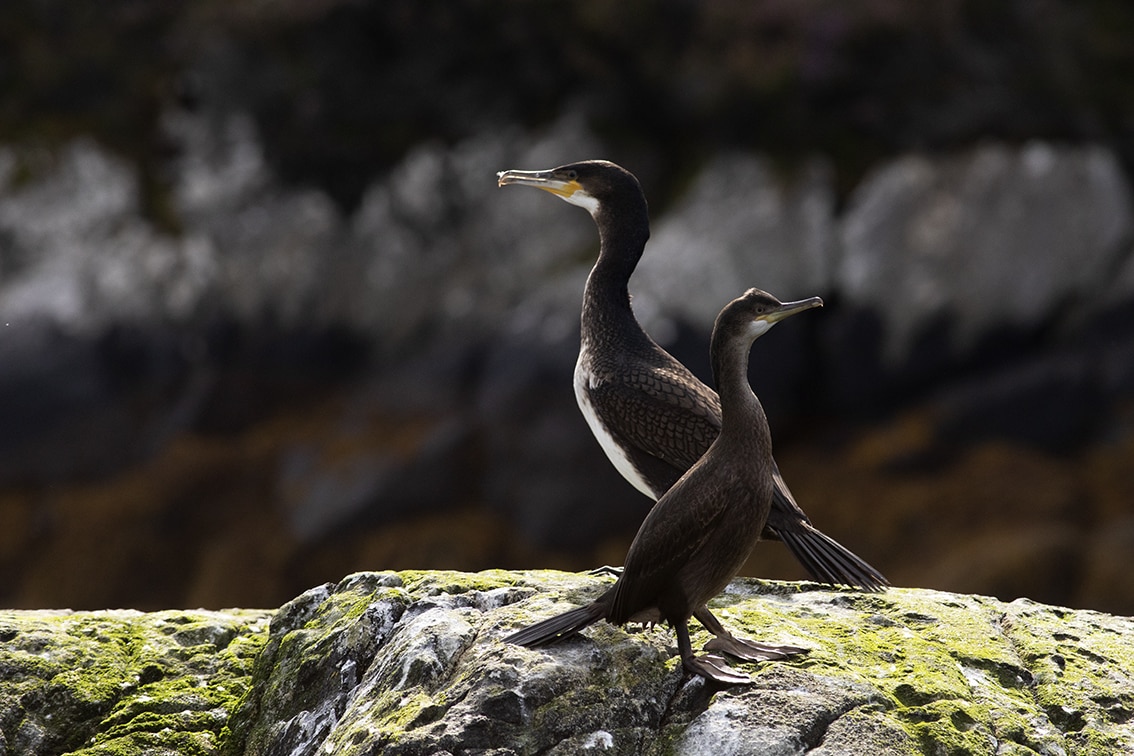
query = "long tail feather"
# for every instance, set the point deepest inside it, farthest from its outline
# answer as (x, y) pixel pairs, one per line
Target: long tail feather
(829, 561)
(558, 627)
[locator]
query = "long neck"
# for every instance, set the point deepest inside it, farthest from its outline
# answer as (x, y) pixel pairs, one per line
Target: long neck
(742, 416)
(622, 234)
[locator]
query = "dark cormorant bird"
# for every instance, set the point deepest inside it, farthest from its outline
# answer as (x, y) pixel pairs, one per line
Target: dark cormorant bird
(698, 536)
(653, 417)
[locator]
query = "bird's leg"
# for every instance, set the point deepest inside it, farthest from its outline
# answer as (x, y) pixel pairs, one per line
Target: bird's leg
(710, 666)
(741, 648)
(606, 571)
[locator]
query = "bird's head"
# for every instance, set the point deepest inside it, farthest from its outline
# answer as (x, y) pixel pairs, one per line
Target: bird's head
(590, 184)
(753, 313)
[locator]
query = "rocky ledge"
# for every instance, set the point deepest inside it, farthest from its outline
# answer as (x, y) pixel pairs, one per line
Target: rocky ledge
(412, 663)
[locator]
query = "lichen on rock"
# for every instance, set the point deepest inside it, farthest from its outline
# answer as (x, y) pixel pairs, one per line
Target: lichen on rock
(414, 663)
(123, 682)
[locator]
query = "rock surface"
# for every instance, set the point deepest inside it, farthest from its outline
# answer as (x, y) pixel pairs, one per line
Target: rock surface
(123, 682)
(412, 663)
(992, 238)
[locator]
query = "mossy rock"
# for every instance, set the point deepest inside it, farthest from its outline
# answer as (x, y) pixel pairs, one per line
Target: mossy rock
(413, 663)
(123, 682)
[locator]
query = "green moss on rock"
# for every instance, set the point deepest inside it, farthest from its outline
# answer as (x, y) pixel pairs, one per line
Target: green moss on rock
(903, 672)
(123, 682)
(413, 662)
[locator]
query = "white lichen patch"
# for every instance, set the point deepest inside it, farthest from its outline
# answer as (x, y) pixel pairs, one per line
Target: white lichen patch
(600, 739)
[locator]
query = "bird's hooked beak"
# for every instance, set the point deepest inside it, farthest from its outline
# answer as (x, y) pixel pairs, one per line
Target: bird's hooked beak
(545, 180)
(787, 309)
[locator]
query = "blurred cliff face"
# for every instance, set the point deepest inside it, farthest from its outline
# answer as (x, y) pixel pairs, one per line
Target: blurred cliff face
(265, 318)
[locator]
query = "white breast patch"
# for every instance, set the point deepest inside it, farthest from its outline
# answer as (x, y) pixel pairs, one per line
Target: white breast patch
(621, 462)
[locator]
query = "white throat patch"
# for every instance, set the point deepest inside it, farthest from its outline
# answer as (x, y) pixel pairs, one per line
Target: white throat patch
(583, 200)
(759, 327)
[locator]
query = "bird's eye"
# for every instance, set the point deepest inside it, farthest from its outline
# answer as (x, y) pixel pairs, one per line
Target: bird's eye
(572, 175)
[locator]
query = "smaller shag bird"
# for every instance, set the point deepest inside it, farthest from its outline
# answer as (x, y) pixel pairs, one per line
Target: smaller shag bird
(701, 531)
(650, 414)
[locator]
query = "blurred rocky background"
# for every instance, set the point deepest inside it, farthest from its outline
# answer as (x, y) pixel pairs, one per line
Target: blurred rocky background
(266, 319)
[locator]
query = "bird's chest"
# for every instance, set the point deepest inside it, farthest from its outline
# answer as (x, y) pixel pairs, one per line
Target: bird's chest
(727, 546)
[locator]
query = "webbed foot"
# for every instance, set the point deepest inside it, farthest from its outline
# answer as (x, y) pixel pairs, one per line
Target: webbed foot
(741, 648)
(749, 650)
(714, 668)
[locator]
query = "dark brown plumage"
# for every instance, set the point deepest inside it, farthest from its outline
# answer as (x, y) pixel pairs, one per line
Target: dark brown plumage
(652, 416)
(698, 536)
